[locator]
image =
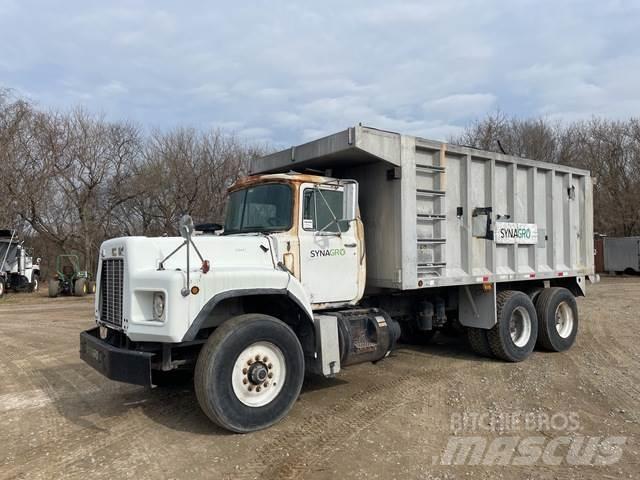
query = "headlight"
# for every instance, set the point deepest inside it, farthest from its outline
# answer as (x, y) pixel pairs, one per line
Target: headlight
(158, 305)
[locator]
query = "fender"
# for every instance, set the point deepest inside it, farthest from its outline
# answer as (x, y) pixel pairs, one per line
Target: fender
(219, 297)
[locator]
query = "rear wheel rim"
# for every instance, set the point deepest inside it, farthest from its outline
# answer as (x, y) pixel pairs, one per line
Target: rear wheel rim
(258, 374)
(564, 319)
(520, 326)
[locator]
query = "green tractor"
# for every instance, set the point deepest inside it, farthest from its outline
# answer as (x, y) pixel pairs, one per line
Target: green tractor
(69, 279)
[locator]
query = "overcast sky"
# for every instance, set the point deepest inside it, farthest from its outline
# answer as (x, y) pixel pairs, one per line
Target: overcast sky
(286, 72)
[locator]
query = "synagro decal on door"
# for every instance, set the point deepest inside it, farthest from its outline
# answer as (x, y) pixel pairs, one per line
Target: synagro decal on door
(328, 252)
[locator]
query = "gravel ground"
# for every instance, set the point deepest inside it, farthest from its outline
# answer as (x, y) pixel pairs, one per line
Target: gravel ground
(395, 419)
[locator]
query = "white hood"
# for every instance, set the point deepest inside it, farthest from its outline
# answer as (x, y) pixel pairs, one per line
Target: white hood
(238, 262)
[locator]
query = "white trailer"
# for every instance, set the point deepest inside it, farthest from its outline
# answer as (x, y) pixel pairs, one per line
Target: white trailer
(18, 270)
(332, 251)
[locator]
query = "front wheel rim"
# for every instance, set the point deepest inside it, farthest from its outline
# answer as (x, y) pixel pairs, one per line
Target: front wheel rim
(258, 374)
(564, 319)
(520, 327)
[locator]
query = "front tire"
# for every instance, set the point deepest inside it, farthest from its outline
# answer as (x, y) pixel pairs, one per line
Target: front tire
(249, 373)
(514, 335)
(557, 319)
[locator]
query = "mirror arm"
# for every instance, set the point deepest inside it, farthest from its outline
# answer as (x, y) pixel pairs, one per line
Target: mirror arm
(161, 264)
(185, 290)
(193, 244)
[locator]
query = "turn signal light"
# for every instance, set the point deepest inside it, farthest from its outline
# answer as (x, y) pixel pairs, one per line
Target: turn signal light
(194, 290)
(205, 266)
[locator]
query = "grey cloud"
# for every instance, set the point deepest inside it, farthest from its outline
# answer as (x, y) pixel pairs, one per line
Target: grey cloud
(285, 72)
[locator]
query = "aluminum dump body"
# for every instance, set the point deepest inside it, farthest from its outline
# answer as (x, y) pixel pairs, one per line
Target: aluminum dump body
(437, 214)
(622, 254)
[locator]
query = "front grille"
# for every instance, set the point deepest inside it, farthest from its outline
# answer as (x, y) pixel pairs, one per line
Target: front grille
(111, 290)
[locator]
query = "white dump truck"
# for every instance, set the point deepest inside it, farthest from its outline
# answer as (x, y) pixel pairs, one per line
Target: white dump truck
(334, 250)
(18, 270)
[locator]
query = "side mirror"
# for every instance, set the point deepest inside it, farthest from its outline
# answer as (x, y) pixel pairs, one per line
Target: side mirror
(186, 226)
(350, 201)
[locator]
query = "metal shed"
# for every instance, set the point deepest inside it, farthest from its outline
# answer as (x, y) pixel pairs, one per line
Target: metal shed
(622, 254)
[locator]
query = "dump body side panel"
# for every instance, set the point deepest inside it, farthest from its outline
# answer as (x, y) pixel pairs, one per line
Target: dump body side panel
(437, 214)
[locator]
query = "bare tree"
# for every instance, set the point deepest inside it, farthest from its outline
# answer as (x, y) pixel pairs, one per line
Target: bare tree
(72, 179)
(609, 149)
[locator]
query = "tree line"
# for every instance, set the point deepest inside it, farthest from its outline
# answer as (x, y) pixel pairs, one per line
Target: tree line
(610, 149)
(69, 180)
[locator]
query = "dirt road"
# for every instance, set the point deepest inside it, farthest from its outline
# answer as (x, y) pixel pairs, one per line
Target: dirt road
(397, 419)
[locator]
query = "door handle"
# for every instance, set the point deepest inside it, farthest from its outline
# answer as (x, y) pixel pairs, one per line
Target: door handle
(350, 245)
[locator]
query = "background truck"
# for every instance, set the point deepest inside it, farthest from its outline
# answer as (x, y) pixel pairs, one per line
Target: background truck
(18, 271)
(333, 250)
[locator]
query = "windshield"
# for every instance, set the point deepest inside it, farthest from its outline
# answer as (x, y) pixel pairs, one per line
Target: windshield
(258, 209)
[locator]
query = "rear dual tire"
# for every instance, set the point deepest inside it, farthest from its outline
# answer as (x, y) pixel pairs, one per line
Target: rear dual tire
(514, 335)
(552, 324)
(557, 311)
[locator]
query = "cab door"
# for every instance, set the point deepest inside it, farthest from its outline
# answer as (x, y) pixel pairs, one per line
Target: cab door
(328, 248)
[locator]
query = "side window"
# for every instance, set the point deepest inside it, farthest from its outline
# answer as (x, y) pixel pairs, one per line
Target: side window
(320, 209)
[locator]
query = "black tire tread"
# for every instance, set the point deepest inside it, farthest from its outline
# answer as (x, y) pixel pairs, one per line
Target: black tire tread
(478, 341)
(199, 377)
(493, 335)
(542, 303)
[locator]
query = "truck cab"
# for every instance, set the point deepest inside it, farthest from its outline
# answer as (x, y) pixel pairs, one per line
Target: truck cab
(315, 229)
(292, 247)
